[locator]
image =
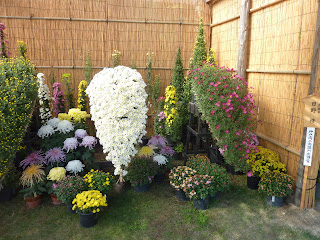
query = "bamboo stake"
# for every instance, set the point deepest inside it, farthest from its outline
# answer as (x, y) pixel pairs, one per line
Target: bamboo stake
(302, 72)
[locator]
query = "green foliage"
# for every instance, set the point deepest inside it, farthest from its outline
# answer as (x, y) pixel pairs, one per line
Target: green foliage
(194, 216)
(55, 140)
(116, 58)
(276, 184)
(66, 79)
(265, 160)
(11, 177)
(52, 77)
(179, 148)
(3, 49)
(82, 95)
(141, 170)
(199, 51)
(149, 76)
(178, 76)
(155, 90)
(99, 180)
(18, 93)
(159, 121)
(22, 49)
(212, 57)
(88, 68)
(34, 190)
(134, 64)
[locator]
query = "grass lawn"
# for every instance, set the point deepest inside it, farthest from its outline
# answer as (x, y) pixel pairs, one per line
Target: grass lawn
(238, 214)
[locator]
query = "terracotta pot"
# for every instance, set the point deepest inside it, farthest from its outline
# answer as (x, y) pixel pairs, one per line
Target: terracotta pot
(55, 199)
(33, 202)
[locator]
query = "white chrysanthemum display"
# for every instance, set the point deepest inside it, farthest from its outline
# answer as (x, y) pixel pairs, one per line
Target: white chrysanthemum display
(54, 122)
(75, 166)
(65, 126)
(160, 159)
(45, 131)
(80, 133)
(119, 111)
(44, 99)
(70, 144)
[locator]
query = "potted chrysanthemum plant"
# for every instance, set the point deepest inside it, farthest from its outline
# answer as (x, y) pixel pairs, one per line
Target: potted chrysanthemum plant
(99, 180)
(162, 162)
(55, 175)
(33, 180)
(88, 204)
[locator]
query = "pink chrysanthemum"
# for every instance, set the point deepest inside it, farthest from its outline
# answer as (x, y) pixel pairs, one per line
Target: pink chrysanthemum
(70, 144)
(55, 155)
(167, 151)
(80, 133)
(158, 141)
(34, 158)
(89, 142)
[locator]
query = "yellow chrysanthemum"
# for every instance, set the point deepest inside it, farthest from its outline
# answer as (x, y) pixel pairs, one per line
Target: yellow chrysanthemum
(56, 174)
(145, 152)
(31, 175)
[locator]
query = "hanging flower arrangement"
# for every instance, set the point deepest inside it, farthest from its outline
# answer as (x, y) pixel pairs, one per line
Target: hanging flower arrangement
(117, 100)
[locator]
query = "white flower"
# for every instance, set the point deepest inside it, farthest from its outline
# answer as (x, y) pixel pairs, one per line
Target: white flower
(80, 133)
(75, 166)
(65, 126)
(44, 99)
(54, 122)
(118, 108)
(89, 142)
(70, 144)
(160, 159)
(45, 131)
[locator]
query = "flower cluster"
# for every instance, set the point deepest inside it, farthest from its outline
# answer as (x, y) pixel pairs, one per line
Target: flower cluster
(158, 141)
(56, 174)
(44, 99)
(89, 201)
(118, 108)
(141, 170)
(99, 180)
(75, 166)
(68, 188)
(4, 53)
(226, 106)
(35, 158)
(276, 184)
(74, 115)
(199, 186)
(145, 151)
(179, 174)
(82, 96)
(262, 160)
(59, 99)
(55, 156)
(32, 180)
(170, 106)
(160, 117)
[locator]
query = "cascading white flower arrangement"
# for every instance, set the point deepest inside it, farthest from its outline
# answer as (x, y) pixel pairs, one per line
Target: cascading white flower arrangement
(118, 108)
(44, 99)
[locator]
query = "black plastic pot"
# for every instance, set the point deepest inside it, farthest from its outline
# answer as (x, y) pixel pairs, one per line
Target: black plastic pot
(201, 204)
(275, 201)
(252, 182)
(69, 208)
(88, 220)
(180, 194)
(142, 188)
(230, 169)
(6, 194)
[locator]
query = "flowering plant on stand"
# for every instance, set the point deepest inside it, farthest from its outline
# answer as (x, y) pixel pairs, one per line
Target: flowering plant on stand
(99, 180)
(170, 107)
(141, 171)
(89, 201)
(222, 98)
(118, 108)
(68, 188)
(82, 96)
(44, 99)
(178, 175)
(276, 184)
(59, 99)
(162, 162)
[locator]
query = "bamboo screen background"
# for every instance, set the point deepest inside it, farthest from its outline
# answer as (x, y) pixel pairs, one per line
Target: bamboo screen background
(281, 37)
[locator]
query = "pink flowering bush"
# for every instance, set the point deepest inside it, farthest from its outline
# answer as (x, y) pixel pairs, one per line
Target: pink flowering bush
(59, 99)
(199, 186)
(228, 108)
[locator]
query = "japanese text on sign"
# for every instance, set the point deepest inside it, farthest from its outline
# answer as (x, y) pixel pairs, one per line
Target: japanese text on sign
(308, 150)
(312, 111)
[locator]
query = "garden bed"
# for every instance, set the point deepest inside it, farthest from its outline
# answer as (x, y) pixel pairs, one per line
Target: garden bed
(237, 214)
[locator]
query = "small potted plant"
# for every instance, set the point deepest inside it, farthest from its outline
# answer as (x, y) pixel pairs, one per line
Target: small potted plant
(55, 175)
(177, 176)
(88, 204)
(198, 188)
(179, 150)
(99, 180)
(260, 161)
(32, 180)
(276, 186)
(141, 171)
(162, 167)
(68, 188)
(8, 183)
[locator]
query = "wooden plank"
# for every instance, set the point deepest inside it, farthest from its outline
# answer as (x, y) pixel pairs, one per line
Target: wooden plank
(304, 186)
(243, 38)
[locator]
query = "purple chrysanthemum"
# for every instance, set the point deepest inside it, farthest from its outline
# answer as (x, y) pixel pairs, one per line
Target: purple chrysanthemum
(89, 142)
(167, 151)
(55, 155)
(80, 133)
(158, 141)
(34, 158)
(70, 144)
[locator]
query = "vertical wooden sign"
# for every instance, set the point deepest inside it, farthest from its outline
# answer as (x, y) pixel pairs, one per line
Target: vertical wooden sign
(311, 152)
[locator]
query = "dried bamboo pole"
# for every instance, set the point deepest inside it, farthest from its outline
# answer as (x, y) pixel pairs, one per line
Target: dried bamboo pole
(82, 67)
(302, 72)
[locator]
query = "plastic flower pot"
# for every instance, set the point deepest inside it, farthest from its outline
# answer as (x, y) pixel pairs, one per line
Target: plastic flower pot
(201, 204)
(88, 220)
(33, 202)
(69, 207)
(141, 188)
(230, 169)
(181, 195)
(6, 194)
(275, 201)
(55, 199)
(252, 182)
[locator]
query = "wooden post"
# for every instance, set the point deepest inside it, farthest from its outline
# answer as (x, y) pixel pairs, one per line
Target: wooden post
(301, 169)
(243, 38)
